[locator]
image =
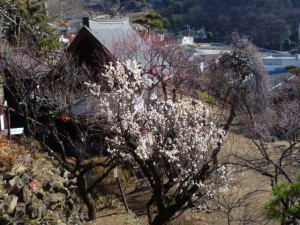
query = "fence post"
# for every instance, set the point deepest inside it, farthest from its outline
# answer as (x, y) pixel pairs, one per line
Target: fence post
(8, 120)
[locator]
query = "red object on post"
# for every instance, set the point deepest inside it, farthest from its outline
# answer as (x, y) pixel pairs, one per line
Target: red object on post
(64, 118)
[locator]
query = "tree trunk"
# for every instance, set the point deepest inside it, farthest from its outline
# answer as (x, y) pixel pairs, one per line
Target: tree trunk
(27, 123)
(86, 196)
(164, 89)
(165, 214)
(230, 118)
(150, 209)
(174, 94)
(18, 30)
(161, 218)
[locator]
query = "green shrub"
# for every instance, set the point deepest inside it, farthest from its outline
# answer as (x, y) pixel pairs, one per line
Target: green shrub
(49, 43)
(291, 67)
(295, 71)
(284, 205)
(207, 97)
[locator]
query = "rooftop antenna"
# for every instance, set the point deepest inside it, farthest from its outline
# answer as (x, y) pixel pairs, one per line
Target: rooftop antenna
(298, 47)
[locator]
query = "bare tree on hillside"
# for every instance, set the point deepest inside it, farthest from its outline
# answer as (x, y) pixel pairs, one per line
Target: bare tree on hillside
(276, 152)
(23, 71)
(54, 104)
(75, 129)
(239, 204)
(238, 81)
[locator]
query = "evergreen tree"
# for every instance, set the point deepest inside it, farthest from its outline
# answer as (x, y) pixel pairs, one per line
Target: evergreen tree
(25, 20)
(284, 205)
(153, 22)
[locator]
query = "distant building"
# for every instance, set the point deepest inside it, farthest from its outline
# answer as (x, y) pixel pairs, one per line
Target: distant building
(275, 64)
(185, 40)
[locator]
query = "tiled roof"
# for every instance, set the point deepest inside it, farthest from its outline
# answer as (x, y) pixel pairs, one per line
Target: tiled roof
(114, 32)
(109, 32)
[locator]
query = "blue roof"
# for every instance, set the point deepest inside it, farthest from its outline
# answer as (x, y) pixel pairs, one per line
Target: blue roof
(278, 71)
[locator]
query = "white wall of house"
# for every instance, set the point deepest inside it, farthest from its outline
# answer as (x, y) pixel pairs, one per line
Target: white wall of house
(186, 40)
(64, 40)
(279, 63)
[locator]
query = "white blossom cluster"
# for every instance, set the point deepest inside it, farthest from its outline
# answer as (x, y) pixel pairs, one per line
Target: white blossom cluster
(174, 137)
(94, 88)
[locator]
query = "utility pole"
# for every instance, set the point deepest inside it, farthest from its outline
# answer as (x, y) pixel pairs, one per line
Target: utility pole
(60, 10)
(189, 29)
(281, 43)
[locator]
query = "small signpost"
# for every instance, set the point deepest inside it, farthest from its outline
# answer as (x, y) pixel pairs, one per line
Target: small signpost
(116, 175)
(116, 172)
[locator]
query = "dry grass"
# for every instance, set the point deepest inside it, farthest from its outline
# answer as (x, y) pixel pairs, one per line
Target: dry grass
(11, 153)
(246, 181)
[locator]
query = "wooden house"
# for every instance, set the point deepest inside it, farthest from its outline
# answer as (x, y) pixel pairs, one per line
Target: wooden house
(96, 43)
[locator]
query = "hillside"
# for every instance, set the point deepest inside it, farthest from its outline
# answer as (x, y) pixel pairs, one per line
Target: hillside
(34, 189)
(155, 137)
(266, 22)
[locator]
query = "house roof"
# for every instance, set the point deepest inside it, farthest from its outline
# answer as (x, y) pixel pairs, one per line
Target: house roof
(108, 32)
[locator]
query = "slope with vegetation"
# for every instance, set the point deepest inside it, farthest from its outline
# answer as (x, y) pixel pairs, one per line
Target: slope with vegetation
(34, 189)
(89, 124)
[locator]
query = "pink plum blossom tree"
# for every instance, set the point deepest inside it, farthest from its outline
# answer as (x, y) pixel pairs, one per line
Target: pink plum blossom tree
(163, 58)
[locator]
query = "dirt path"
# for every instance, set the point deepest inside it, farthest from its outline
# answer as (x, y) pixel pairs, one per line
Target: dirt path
(138, 199)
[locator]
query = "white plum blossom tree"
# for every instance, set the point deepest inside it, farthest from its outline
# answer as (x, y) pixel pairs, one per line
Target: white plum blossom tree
(172, 143)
